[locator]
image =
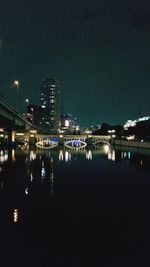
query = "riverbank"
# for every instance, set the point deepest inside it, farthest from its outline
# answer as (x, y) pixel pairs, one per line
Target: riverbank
(136, 144)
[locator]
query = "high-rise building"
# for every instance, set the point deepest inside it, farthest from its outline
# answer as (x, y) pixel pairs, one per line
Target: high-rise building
(50, 104)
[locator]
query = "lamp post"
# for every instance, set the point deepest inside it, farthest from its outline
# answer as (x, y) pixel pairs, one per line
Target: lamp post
(27, 102)
(16, 83)
(32, 115)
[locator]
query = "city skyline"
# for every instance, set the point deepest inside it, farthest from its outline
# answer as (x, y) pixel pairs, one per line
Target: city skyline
(97, 49)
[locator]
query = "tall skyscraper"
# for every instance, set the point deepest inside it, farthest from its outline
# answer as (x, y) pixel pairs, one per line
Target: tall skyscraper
(50, 104)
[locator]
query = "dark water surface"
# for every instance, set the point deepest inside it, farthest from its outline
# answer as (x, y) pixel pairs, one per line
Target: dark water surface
(75, 208)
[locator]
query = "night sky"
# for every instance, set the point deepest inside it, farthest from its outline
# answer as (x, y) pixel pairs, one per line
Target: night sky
(98, 49)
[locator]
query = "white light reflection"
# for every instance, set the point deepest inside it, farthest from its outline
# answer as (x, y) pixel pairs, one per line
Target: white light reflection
(26, 191)
(124, 155)
(43, 171)
(51, 177)
(13, 154)
(52, 181)
(67, 156)
(109, 155)
(106, 148)
(89, 155)
(32, 155)
(61, 156)
(3, 156)
(15, 215)
(112, 155)
(31, 177)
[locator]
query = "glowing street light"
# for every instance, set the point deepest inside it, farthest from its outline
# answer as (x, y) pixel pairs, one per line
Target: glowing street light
(16, 83)
(32, 110)
(27, 102)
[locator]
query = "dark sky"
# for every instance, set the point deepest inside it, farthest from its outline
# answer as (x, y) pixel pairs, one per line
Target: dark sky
(98, 49)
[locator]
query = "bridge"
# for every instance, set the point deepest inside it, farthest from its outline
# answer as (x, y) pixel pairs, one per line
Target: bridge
(11, 120)
(70, 141)
(96, 139)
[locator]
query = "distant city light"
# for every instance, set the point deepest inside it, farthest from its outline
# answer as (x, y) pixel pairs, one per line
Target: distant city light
(133, 123)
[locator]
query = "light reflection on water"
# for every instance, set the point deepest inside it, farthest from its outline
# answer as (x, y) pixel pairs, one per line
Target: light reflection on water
(89, 155)
(3, 155)
(16, 215)
(32, 155)
(49, 197)
(40, 167)
(67, 155)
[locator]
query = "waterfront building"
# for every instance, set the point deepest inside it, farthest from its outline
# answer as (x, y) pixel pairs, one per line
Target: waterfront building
(50, 105)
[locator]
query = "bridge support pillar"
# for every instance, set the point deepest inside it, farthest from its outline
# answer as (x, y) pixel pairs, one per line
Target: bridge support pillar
(89, 140)
(61, 139)
(32, 140)
(32, 137)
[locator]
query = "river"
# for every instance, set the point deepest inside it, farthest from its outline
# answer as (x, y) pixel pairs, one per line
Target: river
(66, 207)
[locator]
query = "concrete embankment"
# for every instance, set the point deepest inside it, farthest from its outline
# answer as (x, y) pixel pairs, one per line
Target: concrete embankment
(132, 144)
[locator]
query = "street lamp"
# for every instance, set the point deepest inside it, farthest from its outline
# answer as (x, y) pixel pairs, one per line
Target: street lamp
(27, 101)
(16, 83)
(32, 115)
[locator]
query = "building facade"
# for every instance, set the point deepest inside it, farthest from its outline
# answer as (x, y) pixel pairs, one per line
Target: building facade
(34, 114)
(68, 122)
(50, 105)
